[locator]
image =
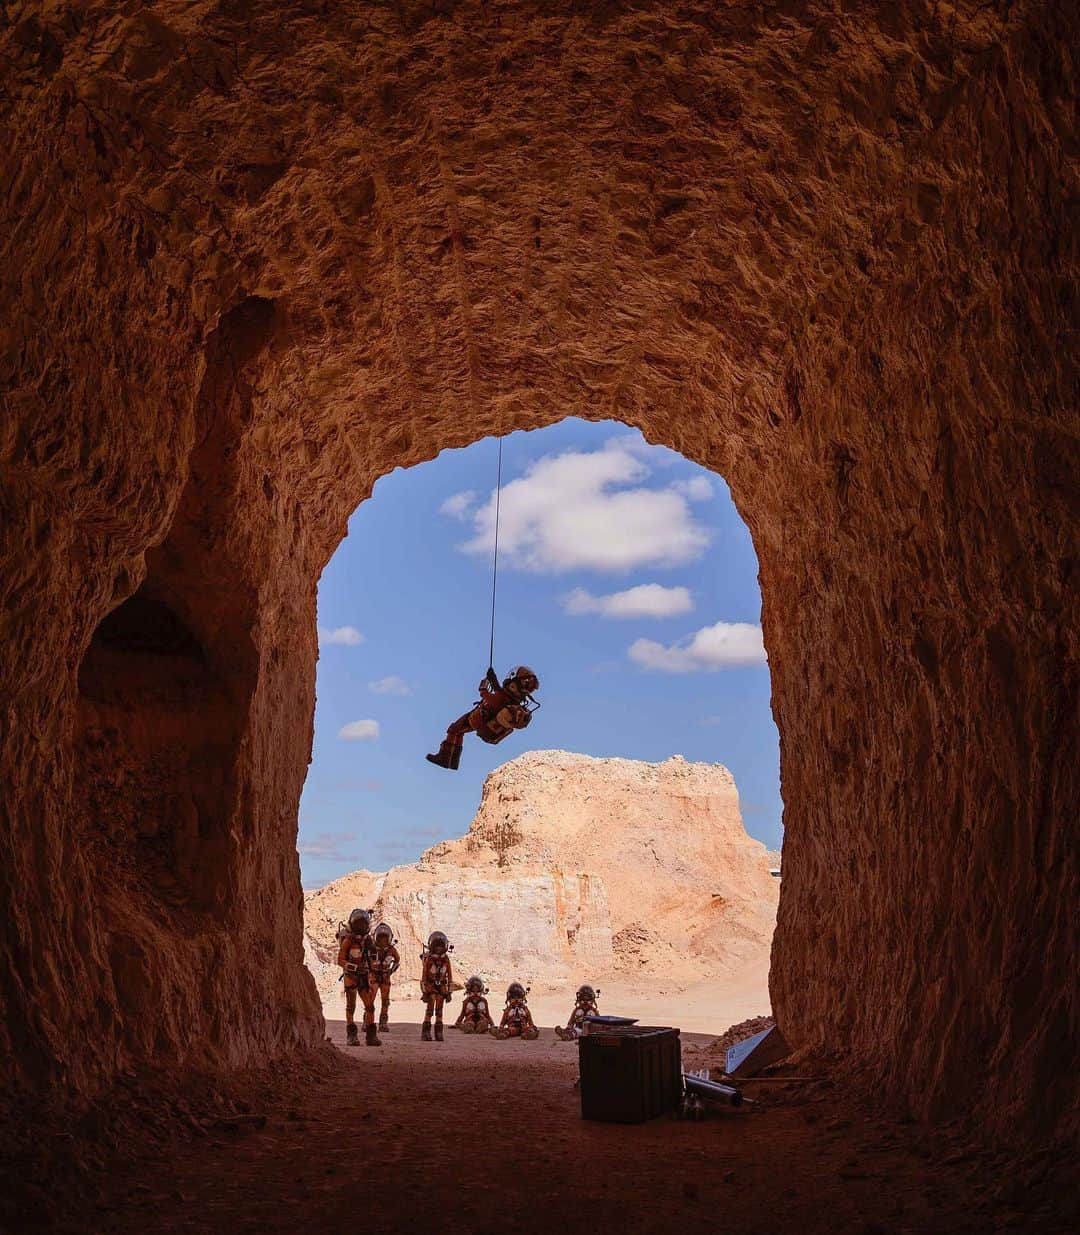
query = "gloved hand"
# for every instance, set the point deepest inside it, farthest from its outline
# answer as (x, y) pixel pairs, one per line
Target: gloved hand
(448, 996)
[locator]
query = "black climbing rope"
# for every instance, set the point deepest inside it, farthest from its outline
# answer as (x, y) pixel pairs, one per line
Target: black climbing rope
(495, 558)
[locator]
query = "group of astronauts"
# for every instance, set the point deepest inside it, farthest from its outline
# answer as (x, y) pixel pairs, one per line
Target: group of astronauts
(369, 960)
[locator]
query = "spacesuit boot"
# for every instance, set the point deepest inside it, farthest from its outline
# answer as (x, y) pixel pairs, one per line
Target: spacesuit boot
(455, 759)
(384, 1021)
(352, 1037)
(445, 757)
(438, 1031)
(425, 1032)
(371, 1038)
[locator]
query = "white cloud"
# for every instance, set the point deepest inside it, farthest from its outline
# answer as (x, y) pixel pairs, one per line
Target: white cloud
(392, 685)
(457, 505)
(346, 636)
(634, 442)
(650, 600)
(696, 488)
(712, 647)
(589, 510)
(360, 731)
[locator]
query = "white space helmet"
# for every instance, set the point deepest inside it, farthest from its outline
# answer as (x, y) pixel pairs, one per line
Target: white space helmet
(525, 679)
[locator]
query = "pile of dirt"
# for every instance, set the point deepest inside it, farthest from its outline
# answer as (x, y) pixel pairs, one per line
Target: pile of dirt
(744, 1029)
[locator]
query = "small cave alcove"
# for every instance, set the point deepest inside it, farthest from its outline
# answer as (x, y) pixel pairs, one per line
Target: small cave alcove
(155, 739)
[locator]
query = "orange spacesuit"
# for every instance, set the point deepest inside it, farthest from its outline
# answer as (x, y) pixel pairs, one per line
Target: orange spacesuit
(354, 957)
(385, 961)
(436, 983)
(475, 1015)
(584, 1005)
(502, 708)
(517, 1021)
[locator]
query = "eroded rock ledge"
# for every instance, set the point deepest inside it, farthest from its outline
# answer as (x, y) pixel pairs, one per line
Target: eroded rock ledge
(573, 867)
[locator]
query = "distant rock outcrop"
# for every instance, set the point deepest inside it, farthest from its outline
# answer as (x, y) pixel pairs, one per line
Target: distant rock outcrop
(528, 922)
(576, 865)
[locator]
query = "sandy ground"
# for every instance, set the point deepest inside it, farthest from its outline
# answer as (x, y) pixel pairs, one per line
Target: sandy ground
(480, 1136)
(704, 1008)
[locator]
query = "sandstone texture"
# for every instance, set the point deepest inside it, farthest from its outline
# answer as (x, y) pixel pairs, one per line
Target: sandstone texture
(575, 867)
(530, 923)
(255, 254)
(688, 890)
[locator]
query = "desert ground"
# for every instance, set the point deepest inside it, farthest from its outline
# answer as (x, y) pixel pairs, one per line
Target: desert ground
(476, 1135)
(700, 1008)
(481, 1136)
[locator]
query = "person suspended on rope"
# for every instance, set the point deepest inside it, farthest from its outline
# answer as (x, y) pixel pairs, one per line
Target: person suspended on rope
(502, 708)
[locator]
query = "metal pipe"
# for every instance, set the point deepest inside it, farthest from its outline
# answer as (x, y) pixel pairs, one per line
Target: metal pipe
(712, 1089)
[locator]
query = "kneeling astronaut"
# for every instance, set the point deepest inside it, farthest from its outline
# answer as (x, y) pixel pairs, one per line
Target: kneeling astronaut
(517, 1021)
(475, 1015)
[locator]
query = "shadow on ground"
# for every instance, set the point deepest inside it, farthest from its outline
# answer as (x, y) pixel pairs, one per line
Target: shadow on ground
(482, 1136)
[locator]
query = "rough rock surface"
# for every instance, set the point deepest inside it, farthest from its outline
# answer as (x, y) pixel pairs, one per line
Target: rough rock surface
(254, 255)
(535, 890)
(687, 888)
(327, 907)
(528, 923)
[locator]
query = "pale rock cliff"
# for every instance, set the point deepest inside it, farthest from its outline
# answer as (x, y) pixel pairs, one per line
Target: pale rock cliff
(530, 923)
(575, 866)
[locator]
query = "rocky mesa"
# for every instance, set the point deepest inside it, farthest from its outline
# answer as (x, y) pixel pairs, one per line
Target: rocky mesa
(573, 866)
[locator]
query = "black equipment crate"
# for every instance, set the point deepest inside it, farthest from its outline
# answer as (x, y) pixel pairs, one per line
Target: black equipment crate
(629, 1074)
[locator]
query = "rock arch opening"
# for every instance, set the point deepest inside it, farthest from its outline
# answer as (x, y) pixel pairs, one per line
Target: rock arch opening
(823, 252)
(629, 582)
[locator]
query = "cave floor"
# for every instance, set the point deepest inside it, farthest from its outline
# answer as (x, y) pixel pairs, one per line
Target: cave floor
(478, 1135)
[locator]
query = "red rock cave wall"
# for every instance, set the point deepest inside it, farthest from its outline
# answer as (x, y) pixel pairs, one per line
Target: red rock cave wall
(254, 255)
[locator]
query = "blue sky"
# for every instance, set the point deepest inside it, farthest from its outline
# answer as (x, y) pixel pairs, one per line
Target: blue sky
(627, 581)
